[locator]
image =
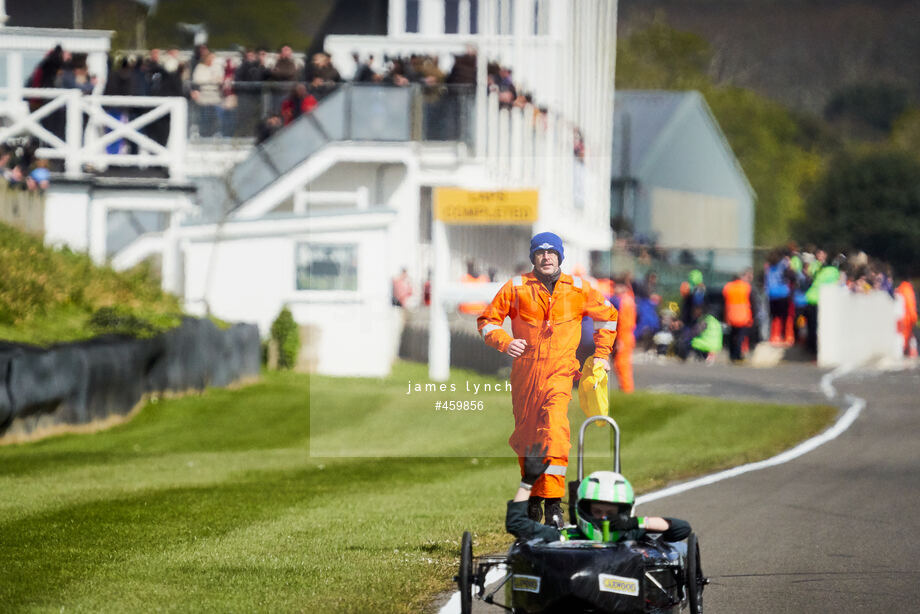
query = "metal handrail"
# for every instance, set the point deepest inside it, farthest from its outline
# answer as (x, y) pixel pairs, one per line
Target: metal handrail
(581, 444)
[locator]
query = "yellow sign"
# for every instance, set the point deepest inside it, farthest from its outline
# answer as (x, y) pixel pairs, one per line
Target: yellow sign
(618, 584)
(530, 584)
(457, 206)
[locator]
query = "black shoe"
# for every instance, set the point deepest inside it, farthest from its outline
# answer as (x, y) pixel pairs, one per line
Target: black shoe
(535, 509)
(554, 517)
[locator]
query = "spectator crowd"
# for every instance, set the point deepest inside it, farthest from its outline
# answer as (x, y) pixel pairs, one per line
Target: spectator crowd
(699, 320)
(21, 169)
(783, 302)
(254, 92)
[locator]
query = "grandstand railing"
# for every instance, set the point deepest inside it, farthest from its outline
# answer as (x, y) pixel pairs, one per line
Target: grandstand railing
(519, 146)
(240, 111)
(436, 112)
(92, 131)
(356, 113)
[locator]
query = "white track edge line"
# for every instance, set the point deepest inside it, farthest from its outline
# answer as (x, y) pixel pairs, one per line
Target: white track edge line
(856, 406)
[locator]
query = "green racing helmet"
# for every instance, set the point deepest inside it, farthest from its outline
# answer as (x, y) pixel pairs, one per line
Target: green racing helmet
(603, 487)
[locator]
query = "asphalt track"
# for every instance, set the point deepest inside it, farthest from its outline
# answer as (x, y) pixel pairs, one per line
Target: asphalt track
(834, 530)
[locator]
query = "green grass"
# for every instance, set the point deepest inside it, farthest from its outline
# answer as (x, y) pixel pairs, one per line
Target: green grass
(215, 503)
(52, 295)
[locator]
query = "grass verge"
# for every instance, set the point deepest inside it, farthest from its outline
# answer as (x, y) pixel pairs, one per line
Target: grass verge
(215, 503)
(52, 295)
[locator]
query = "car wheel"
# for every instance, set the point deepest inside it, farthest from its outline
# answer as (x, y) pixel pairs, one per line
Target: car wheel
(465, 577)
(694, 576)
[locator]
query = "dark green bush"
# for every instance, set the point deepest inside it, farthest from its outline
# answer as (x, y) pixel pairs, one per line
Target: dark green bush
(286, 335)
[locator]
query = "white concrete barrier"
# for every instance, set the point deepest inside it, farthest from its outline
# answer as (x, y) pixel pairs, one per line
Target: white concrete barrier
(858, 329)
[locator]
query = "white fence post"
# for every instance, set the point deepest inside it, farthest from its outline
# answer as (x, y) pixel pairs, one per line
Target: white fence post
(178, 131)
(73, 136)
(171, 263)
(517, 145)
(98, 219)
(439, 327)
(504, 143)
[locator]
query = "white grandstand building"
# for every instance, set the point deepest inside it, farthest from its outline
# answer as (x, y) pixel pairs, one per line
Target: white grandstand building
(324, 214)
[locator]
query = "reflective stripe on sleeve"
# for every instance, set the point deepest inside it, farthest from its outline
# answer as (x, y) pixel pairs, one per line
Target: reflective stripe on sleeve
(604, 325)
(488, 328)
(576, 281)
(607, 303)
(556, 470)
(517, 281)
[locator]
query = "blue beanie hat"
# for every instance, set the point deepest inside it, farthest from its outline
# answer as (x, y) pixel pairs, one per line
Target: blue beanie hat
(547, 240)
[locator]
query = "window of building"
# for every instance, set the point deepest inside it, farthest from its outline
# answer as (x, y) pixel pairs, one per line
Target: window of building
(412, 15)
(424, 215)
(540, 17)
(506, 16)
(327, 267)
(474, 16)
(451, 16)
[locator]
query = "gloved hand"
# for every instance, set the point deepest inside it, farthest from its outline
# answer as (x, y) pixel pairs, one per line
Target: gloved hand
(534, 465)
(624, 523)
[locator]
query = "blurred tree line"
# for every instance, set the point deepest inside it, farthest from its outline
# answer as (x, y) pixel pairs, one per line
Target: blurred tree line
(848, 180)
(270, 23)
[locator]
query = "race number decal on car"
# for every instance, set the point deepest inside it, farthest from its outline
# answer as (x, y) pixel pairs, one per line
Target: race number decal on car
(618, 584)
(530, 584)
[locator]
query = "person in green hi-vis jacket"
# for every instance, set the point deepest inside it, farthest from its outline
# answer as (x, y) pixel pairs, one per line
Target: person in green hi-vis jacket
(704, 338)
(824, 276)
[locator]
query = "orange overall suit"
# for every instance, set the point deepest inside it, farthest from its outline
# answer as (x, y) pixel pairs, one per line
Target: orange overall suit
(541, 378)
(472, 308)
(909, 319)
(626, 343)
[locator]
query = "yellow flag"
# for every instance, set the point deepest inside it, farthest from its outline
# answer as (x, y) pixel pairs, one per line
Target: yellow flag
(592, 390)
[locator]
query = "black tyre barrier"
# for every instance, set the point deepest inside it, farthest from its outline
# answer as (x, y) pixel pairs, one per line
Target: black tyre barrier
(77, 383)
(6, 406)
(467, 349)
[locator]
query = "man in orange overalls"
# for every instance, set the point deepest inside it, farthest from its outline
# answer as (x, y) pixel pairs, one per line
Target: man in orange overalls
(626, 340)
(546, 308)
(909, 320)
